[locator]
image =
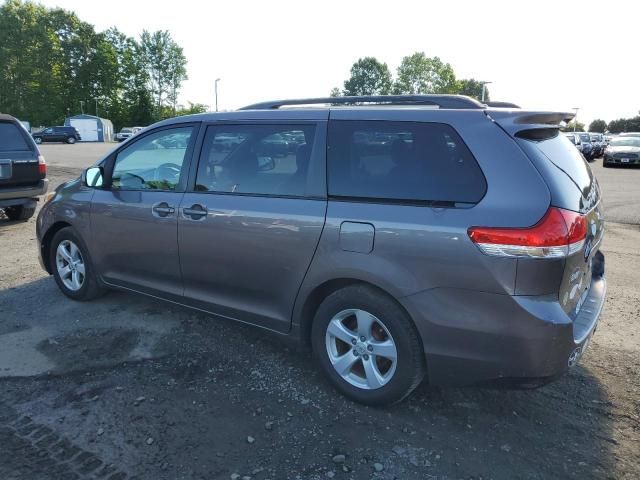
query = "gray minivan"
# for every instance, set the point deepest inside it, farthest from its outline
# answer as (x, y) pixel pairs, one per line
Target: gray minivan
(396, 237)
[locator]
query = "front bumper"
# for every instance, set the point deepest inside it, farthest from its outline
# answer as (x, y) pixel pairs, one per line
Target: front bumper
(10, 196)
(472, 337)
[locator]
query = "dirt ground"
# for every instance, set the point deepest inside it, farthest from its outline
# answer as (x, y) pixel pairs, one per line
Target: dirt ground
(128, 387)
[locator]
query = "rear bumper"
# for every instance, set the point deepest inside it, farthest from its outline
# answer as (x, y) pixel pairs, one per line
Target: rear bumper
(474, 337)
(18, 195)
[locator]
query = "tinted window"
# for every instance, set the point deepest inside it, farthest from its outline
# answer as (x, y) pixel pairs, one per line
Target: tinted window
(256, 159)
(567, 158)
(402, 161)
(152, 163)
(11, 138)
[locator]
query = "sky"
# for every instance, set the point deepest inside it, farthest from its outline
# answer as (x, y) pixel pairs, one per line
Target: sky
(539, 54)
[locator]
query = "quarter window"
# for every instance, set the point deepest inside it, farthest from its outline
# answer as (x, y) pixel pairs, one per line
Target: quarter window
(256, 159)
(402, 161)
(152, 163)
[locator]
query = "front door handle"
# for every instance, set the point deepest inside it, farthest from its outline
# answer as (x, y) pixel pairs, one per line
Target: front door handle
(195, 212)
(162, 209)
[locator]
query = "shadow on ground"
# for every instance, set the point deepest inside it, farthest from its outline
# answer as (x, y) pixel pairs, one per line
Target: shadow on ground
(157, 391)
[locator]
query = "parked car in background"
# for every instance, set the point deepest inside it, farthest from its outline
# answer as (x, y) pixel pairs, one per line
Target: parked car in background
(57, 134)
(622, 150)
(575, 139)
(588, 149)
(459, 243)
(23, 170)
(127, 132)
(124, 133)
(597, 139)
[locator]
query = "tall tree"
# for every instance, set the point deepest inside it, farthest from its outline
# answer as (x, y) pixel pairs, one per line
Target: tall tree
(598, 126)
(418, 74)
(165, 64)
(472, 88)
(368, 77)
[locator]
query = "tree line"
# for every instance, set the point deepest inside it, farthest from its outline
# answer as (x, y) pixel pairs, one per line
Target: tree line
(417, 74)
(600, 126)
(52, 64)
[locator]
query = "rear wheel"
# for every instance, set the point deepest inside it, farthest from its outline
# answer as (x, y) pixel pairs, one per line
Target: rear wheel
(38, 140)
(605, 164)
(19, 212)
(71, 140)
(72, 267)
(367, 346)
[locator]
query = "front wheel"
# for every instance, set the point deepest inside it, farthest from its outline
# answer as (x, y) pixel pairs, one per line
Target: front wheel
(72, 267)
(38, 140)
(71, 140)
(367, 346)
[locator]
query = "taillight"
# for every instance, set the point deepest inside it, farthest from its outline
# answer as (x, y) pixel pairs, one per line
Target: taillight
(42, 166)
(558, 234)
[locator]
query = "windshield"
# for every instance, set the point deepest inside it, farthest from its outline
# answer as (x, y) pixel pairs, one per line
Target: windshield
(625, 142)
(585, 138)
(125, 130)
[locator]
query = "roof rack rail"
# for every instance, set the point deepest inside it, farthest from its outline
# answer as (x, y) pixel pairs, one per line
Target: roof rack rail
(442, 101)
(501, 105)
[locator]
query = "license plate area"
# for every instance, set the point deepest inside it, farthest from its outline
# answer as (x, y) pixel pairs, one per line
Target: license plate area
(624, 160)
(6, 168)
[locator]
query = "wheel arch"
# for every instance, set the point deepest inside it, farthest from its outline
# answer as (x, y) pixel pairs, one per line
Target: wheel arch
(316, 295)
(45, 245)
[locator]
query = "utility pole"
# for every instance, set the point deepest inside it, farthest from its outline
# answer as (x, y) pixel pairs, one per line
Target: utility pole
(82, 106)
(575, 118)
(96, 107)
(484, 88)
(216, 90)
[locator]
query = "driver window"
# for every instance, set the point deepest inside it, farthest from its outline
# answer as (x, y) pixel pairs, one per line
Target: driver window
(153, 162)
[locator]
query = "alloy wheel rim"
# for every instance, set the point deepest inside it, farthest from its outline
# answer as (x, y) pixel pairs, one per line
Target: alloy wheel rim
(70, 265)
(361, 349)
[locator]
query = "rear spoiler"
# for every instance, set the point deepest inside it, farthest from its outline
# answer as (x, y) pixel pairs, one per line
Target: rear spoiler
(516, 122)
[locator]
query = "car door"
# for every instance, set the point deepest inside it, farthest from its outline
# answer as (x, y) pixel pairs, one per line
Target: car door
(134, 217)
(48, 135)
(250, 223)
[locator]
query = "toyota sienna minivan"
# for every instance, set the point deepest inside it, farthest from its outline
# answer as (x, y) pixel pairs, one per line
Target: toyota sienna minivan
(397, 238)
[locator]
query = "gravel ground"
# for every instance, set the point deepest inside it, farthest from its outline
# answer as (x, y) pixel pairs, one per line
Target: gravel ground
(127, 387)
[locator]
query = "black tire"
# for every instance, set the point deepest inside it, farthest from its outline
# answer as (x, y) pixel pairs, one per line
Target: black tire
(605, 164)
(71, 140)
(38, 140)
(410, 367)
(19, 212)
(91, 287)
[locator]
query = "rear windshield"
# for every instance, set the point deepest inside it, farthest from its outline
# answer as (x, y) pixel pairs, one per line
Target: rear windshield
(11, 138)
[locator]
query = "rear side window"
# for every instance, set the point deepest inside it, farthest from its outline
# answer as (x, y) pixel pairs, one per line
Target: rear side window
(402, 161)
(12, 139)
(567, 158)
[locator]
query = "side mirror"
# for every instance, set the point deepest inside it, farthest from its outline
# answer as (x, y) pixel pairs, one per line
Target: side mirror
(93, 177)
(266, 163)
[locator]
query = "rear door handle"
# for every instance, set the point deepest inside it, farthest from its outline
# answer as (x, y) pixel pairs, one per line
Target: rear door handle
(195, 212)
(162, 209)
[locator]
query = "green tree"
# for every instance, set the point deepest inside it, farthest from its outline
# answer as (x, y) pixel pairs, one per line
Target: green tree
(598, 126)
(193, 108)
(335, 92)
(472, 88)
(368, 77)
(625, 125)
(165, 64)
(419, 74)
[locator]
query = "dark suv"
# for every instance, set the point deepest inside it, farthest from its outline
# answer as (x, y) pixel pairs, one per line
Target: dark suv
(57, 134)
(403, 237)
(22, 170)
